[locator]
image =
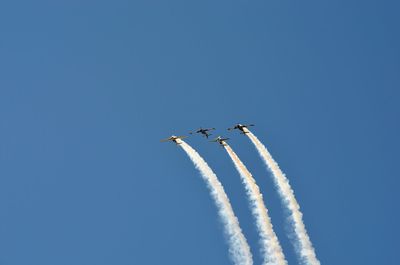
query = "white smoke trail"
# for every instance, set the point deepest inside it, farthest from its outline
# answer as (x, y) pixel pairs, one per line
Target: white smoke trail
(238, 247)
(303, 243)
(270, 247)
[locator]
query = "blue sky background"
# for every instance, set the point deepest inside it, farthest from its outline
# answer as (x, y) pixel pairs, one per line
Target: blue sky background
(87, 89)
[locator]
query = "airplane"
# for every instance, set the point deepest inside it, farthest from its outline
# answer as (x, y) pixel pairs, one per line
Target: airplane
(240, 127)
(220, 140)
(174, 139)
(204, 132)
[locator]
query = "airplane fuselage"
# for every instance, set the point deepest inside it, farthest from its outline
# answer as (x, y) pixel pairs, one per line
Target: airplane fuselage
(204, 132)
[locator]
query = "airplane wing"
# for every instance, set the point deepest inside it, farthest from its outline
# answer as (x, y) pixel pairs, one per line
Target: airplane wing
(166, 140)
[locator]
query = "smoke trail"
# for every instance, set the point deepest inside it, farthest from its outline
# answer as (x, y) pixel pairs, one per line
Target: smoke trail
(270, 247)
(238, 248)
(303, 243)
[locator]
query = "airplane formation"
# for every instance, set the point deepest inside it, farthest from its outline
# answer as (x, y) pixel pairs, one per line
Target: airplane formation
(206, 133)
(286, 193)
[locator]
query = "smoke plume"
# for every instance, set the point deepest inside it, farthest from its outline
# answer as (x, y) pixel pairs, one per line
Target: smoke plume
(270, 247)
(238, 247)
(302, 242)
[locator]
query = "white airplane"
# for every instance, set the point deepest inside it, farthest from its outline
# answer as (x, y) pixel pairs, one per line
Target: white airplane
(173, 138)
(220, 140)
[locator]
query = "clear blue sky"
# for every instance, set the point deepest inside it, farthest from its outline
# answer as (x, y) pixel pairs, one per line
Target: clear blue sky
(87, 89)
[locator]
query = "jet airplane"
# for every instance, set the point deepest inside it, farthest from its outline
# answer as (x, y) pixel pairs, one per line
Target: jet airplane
(240, 127)
(204, 132)
(220, 140)
(174, 139)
